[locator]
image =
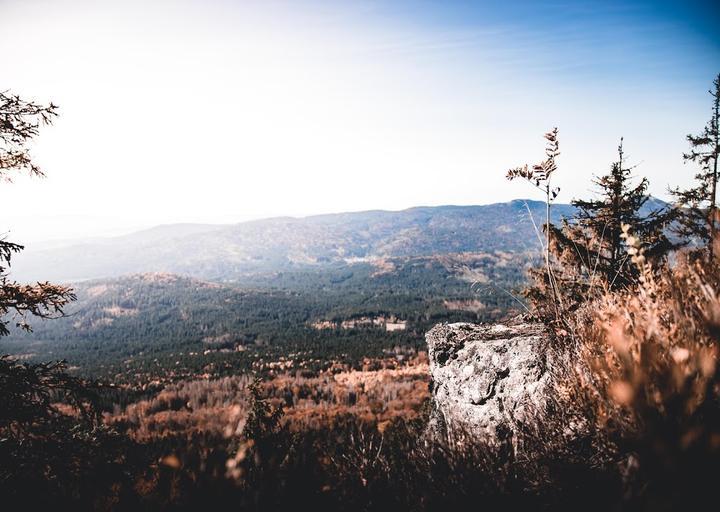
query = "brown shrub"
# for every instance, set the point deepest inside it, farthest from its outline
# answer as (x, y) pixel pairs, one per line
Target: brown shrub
(646, 377)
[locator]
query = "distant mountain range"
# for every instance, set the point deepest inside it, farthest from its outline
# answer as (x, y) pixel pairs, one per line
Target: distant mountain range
(225, 252)
(261, 286)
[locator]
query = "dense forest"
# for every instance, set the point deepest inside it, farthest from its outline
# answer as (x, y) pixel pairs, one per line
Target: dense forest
(150, 326)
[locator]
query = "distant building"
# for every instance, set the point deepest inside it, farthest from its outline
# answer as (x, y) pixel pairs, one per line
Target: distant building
(395, 326)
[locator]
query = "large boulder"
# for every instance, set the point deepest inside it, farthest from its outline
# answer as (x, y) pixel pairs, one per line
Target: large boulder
(489, 381)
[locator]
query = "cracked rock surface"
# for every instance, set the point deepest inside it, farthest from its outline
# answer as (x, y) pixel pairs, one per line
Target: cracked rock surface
(488, 379)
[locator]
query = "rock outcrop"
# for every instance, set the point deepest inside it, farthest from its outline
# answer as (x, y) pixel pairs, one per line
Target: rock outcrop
(489, 380)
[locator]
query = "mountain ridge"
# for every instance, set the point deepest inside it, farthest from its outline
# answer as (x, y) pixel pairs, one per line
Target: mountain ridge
(224, 252)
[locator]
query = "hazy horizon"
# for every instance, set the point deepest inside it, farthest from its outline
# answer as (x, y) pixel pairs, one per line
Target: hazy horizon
(108, 230)
(220, 111)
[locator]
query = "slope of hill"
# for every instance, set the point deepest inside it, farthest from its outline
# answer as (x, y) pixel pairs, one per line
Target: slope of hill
(186, 300)
(156, 324)
(228, 253)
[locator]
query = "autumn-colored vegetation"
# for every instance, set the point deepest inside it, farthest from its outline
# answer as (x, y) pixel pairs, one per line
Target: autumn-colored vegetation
(383, 392)
(633, 307)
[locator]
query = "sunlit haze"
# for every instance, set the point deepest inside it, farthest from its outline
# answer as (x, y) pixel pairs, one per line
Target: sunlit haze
(219, 111)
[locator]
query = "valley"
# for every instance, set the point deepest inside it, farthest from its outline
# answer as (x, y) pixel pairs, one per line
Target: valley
(177, 302)
(160, 326)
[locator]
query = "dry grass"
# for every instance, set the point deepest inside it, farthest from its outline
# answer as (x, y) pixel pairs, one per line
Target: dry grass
(376, 395)
(641, 381)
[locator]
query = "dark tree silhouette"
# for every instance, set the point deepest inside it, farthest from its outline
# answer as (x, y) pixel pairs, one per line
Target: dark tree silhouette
(53, 449)
(592, 243)
(588, 253)
(698, 218)
(20, 121)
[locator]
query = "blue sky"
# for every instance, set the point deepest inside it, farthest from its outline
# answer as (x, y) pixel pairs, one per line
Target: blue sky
(220, 111)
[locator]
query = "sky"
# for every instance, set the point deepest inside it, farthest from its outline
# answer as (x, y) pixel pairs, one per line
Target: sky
(220, 111)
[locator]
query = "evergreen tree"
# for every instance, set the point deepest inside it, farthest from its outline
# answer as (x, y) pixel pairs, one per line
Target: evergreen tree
(698, 212)
(592, 243)
(19, 123)
(48, 458)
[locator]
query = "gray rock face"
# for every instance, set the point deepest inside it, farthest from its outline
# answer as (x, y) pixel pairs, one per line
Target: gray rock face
(488, 379)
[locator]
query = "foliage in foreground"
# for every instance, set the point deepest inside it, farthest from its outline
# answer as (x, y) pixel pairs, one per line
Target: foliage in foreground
(650, 361)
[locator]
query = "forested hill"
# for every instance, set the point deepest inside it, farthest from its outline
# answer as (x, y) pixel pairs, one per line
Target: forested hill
(229, 252)
(141, 326)
(325, 286)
